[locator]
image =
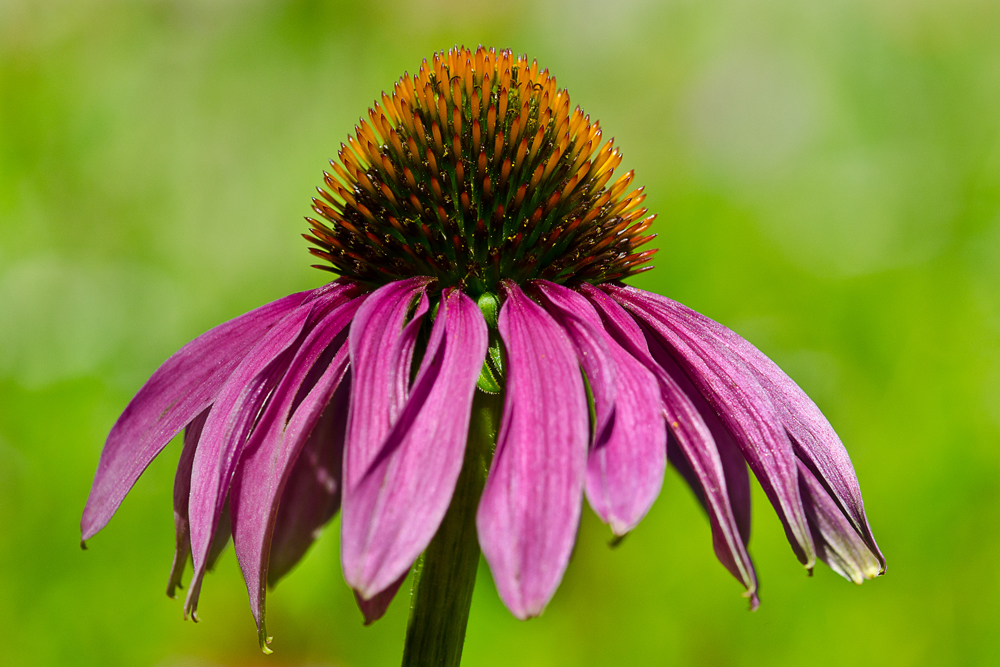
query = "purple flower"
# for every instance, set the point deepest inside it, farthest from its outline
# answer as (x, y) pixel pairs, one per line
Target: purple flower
(481, 247)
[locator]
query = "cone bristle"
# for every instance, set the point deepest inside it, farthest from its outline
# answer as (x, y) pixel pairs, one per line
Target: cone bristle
(475, 170)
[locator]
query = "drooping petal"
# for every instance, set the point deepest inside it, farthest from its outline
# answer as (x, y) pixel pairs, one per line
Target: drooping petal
(277, 439)
(179, 390)
(219, 542)
(381, 346)
(381, 341)
(182, 488)
(230, 424)
(701, 462)
(583, 326)
(626, 464)
(813, 438)
(221, 538)
(733, 464)
(530, 507)
(312, 493)
(392, 512)
(746, 409)
(838, 543)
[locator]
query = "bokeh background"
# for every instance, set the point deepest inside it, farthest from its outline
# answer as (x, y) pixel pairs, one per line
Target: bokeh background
(828, 181)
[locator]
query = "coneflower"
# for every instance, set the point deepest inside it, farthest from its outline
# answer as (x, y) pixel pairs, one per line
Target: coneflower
(479, 323)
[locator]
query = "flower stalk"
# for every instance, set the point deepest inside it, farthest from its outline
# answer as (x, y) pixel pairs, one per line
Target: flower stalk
(445, 576)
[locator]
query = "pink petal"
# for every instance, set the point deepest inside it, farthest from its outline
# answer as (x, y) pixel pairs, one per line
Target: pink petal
(232, 419)
(186, 384)
(393, 511)
(530, 508)
(626, 465)
(746, 409)
(312, 492)
(837, 542)
(381, 344)
(701, 456)
(813, 438)
(220, 540)
(277, 439)
(182, 488)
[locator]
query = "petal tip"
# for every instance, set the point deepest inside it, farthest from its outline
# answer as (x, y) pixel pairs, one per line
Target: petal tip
(374, 607)
(874, 572)
(264, 640)
(527, 614)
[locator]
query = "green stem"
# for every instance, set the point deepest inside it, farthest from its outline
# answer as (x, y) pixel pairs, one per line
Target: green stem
(446, 573)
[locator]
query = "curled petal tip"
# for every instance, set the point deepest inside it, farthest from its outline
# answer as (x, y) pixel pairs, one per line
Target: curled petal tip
(264, 639)
(83, 544)
(172, 589)
(754, 600)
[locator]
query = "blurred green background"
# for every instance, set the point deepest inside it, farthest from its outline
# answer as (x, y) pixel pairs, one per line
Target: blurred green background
(828, 182)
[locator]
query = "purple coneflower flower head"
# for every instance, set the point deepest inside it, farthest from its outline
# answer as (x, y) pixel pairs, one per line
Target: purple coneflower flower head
(481, 243)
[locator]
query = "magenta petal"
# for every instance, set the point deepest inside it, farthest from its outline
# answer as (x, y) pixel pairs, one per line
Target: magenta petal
(746, 409)
(229, 426)
(626, 465)
(530, 508)
(838, 543)
(182, 488)
(813, 438)
(734, 466)
(583, 326)
(278, 437)
(701, 457)
(381, 340)
(178, 391)
(392, 512)
(220, 540)
(381, 344)
(311, 496)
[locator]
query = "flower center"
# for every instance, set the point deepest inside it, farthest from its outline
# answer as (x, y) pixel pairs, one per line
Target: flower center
(475, 170)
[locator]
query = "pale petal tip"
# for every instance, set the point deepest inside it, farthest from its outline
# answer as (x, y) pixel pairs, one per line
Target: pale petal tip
(527, 614)
(536, 610)
(264, 639)
(874, 571)
(524, 610)
(621, 528)
(869, 571)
